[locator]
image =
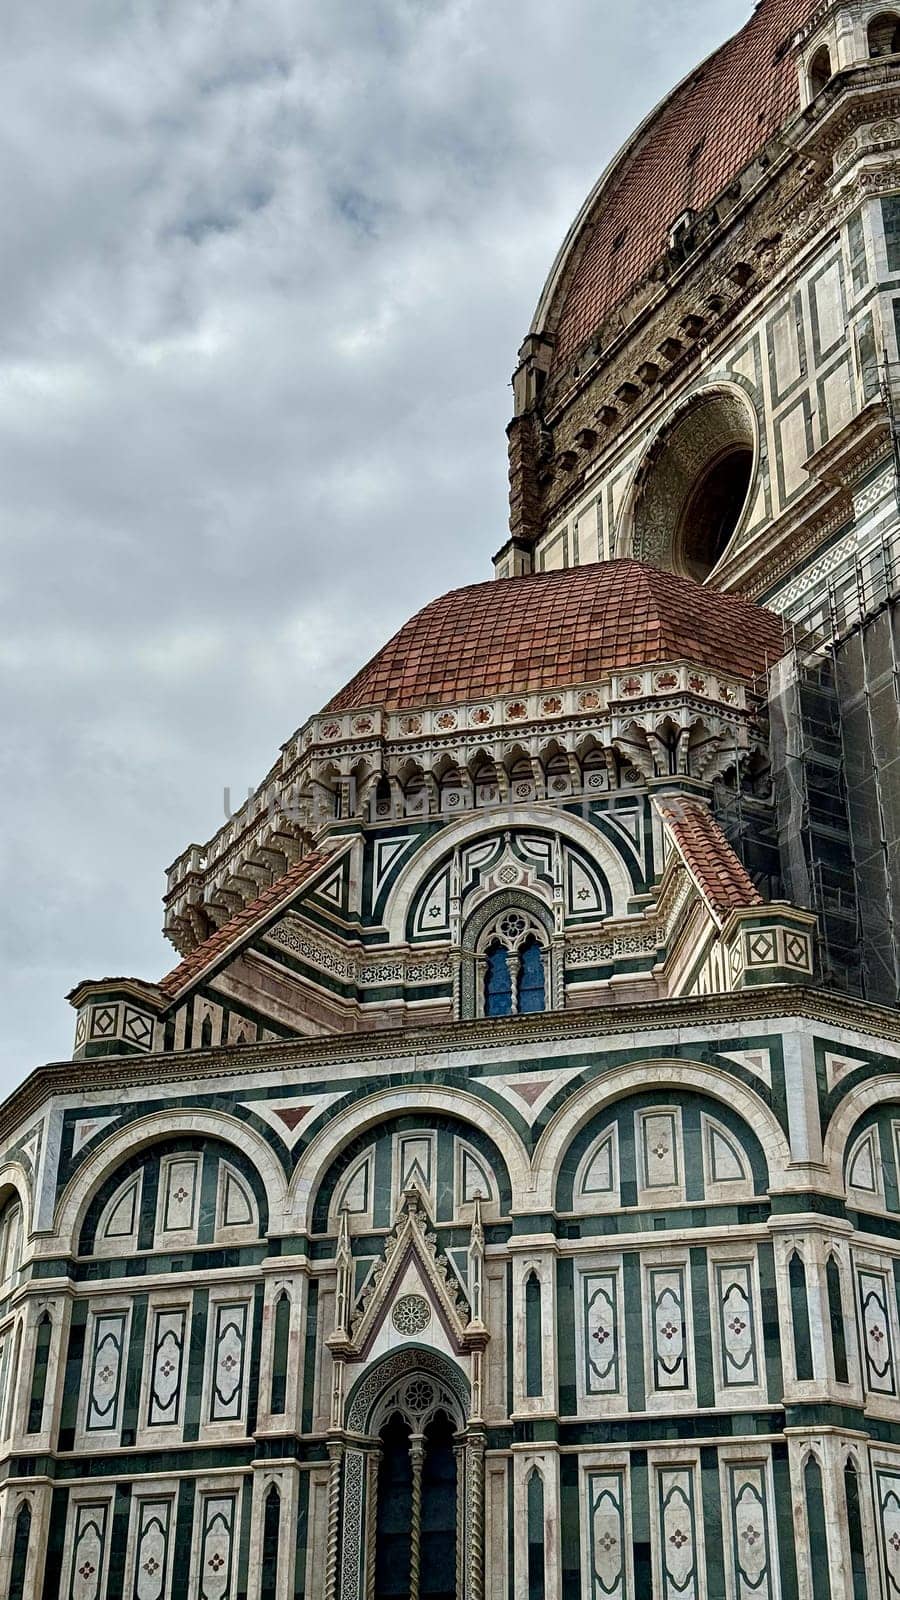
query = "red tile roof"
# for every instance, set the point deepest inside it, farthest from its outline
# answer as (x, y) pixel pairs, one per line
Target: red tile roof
(560, 629)
(722, 880)
(224, 938)
(693, 147)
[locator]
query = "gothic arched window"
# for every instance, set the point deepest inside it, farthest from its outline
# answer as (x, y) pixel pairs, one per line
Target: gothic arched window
(512, 959)
(532, 978)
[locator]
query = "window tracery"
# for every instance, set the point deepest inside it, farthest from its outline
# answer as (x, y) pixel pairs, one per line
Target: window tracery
(512, 964)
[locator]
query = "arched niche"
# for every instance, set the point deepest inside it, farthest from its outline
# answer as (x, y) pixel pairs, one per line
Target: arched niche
(156, 1197)
(870, 1159)
(667, 1079)
(820, 71)
(708, 1155)
(130, 1141)
(693, 492)
(446, 1159)
(617, 872)
(883, 34)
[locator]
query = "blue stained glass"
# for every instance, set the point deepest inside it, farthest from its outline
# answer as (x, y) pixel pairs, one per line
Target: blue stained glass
(532, 984)
(498, 993)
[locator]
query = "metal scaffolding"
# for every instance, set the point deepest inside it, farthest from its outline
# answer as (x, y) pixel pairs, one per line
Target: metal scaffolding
(834, 714)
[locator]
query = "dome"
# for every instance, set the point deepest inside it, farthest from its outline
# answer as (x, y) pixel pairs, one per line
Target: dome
(558, 629)
(681, 159)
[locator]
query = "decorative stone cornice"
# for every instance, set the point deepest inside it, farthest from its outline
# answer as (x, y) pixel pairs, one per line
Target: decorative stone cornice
(427, 1044)
(354, 966)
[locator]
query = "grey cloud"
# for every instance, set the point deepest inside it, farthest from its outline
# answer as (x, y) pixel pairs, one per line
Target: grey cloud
(267, 267)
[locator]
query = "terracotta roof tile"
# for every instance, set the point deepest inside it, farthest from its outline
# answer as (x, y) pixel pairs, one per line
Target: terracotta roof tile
(559, 629)
(702, 136)
(220, 942)
(719, 875)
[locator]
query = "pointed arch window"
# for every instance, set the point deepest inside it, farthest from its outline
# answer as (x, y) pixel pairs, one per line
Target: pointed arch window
(535, 1513)
(511, 950)
(20, 1552)
(10, 1240)
(270, 1543)
(39, 1373)
(280, 1346)
(855, 1534)
(836, 1318)
(532, 978)
(818, 1535)
(803, 1358)
(534, 1372)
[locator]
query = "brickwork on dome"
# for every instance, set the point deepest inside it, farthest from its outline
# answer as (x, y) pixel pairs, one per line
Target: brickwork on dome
(698, 141)
(561, 628)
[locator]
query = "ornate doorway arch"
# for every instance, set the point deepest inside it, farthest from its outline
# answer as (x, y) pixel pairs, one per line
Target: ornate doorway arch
(416, 1387)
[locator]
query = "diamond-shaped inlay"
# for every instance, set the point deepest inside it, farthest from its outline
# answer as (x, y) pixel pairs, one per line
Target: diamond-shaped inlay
(761, 947)
(103, 1021)
(796, 950)
(138, 1028)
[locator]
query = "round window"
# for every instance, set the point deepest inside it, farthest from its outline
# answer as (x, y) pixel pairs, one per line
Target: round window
(695, 487)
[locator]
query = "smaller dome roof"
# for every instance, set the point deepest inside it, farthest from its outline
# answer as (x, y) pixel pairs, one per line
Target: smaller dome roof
(559, 629)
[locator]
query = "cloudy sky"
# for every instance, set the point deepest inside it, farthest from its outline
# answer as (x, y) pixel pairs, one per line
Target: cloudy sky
(266, 267)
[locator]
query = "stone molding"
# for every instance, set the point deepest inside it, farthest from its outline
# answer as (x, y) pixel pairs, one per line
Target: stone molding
(766, 1003)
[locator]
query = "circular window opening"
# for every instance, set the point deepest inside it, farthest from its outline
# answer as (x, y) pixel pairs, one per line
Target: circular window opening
(713, 512)
(695, 486)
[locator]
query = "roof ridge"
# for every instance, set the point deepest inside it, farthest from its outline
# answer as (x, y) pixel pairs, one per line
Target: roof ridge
(221, 942)
(716, 869)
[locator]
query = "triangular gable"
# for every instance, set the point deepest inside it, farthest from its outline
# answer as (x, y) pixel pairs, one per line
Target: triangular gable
(232, 938)
(290, 1119)
(331, 891)
(530, 1093)
(411, 1245)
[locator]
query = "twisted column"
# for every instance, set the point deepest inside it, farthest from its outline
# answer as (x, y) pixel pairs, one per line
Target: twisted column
(371, 1526)
(335, 1456)
(417, 1456)
(476, 1518)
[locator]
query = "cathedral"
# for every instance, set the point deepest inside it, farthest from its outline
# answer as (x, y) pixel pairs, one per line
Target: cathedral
(500, 1197)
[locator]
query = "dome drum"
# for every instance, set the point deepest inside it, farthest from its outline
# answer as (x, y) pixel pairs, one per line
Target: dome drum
(705, 252)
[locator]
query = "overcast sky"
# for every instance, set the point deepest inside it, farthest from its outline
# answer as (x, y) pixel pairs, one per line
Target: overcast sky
(266, 267)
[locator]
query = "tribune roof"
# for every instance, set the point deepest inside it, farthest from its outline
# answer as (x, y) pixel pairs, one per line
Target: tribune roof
(561, 629)
(220, 943)
(686, 154)
(718, 873)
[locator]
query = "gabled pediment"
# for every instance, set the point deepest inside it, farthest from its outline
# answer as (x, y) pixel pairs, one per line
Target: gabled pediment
(413, 1270)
